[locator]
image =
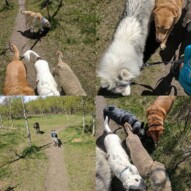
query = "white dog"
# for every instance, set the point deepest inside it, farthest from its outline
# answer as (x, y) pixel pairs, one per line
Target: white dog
(46, 85)
(119, 161)
(122, 61)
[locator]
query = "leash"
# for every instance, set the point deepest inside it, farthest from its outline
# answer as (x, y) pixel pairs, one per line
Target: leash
(160, 62)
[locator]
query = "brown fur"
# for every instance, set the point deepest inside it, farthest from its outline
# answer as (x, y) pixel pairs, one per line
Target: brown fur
(67, 79)
(145, 165)
(156, 114)
(166, 15)
(15, 77)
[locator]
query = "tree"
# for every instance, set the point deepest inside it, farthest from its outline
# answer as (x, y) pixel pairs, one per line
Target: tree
(26, 122)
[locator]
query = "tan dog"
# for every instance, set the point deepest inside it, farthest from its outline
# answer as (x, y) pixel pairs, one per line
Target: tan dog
(34, 20)
(166, 15)
(66, 78)
(156, 115)
(15, 79)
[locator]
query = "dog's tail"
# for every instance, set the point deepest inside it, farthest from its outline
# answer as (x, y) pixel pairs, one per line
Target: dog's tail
(28, 53)
(22, 11)
(15, 50)
(106, 125)
(60, 56)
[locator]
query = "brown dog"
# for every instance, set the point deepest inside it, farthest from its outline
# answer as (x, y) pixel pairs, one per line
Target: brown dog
(35, 20)
(15, 79)
(66, 78)
(156, 115)
(166, 15)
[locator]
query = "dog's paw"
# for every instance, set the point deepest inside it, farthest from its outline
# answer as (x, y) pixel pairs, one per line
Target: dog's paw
(163, 46)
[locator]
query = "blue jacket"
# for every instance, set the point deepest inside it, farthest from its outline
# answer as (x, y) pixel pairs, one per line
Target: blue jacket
(185, 72)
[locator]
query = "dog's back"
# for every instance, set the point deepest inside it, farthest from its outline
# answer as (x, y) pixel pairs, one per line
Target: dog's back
(67, 79)
(103, 172)
(141, 10)
(15, 78)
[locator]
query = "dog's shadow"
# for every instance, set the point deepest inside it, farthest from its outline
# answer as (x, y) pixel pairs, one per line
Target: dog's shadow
(34, 35)
(59, 143)
(163, 86)
(41, 132)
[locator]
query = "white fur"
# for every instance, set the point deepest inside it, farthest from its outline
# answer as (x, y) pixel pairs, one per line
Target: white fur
(46, 85)
(118, 160)
(126, 50)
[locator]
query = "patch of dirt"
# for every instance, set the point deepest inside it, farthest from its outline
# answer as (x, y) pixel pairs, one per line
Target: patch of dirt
(77, 140)
(56, 178)
(22, 42)
(156, 79)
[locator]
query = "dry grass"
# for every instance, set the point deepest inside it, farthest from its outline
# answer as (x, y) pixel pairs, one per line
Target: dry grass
(73, 33)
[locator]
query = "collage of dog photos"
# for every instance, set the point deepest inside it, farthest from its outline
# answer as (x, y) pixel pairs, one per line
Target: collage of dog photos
(95, 95)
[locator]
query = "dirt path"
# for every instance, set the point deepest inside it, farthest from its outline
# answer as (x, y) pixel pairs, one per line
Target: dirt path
(56, 179)
(22, 42)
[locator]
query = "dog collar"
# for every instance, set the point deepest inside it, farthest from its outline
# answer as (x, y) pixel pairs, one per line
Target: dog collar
(123, 171)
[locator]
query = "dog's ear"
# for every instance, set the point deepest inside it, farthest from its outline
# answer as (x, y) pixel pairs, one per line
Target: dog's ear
(104, 83)
(125, 75)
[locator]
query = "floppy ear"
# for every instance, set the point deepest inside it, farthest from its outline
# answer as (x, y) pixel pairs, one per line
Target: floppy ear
(104, 84)
(125, 75)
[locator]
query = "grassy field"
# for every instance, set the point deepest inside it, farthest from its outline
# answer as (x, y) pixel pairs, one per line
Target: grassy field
(175, 141)
(21, 173)
(73, 33)
(6, 28)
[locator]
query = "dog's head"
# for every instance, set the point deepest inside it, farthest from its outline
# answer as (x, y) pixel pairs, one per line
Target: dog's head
(119, 84)
(134, 182)
(138, 128)
(45, 23)
(165, 18)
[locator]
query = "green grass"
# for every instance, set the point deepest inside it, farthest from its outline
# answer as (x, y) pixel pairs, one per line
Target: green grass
(20, 164)
(7, 16)
(73, 32)
(81, 149)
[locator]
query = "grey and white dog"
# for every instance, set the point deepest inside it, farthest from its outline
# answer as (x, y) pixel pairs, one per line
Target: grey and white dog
(123, 59)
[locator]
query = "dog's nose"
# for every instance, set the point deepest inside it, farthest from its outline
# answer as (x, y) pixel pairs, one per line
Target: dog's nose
(158, 40)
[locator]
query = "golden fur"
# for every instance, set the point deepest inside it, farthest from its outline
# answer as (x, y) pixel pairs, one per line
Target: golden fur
(15, 77)
(166, 15)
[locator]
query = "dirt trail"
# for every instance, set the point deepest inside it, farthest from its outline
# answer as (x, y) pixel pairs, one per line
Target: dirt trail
(56, 178)
(22, 42)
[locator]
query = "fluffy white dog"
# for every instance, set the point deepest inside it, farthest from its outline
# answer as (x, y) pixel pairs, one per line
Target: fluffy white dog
(119, 161)
(122, 61)
(46, 85)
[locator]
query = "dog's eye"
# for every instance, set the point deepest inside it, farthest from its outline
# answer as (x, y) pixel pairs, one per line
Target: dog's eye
(136, 180)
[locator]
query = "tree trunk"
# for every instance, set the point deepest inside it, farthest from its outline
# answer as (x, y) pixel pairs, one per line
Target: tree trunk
(93, 125)
(84, 124)
(1, 121)
(10, 112)
(26, 121)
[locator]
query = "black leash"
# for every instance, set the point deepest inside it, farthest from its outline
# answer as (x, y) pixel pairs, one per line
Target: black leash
(160, 62)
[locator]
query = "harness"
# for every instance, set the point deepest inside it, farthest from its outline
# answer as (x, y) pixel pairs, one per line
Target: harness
(123, 171)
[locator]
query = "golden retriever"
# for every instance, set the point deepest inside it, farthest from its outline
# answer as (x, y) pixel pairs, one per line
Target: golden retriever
(156, 114)
(16, 78)
(35, 20)
(166, 15)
